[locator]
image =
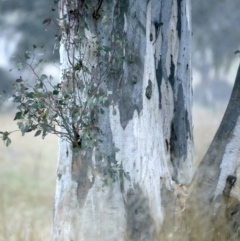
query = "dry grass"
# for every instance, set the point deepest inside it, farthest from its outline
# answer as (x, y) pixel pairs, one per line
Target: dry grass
(27, 178)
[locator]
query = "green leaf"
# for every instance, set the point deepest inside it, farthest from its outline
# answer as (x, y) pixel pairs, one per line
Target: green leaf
(47, 21)
(17, 99)
(127, 176)
(43, 77)
(237, 52)
(30, 95)
(101, 111)
(5, 135)
(34, 46)
(8, 141)
(55, 92)
(35, 105)
(39, 86)
(26, 55)
(19, 66)
(104, 19)
(116, 149)
(18, 116)
(38, 132)
(20, 125)
(107, 49)
(19, 80)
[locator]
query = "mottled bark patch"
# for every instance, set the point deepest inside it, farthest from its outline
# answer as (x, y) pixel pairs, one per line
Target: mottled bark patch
(80, 173)
(139, 221)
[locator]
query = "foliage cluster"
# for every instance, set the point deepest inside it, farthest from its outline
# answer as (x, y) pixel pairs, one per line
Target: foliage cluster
(69, 108)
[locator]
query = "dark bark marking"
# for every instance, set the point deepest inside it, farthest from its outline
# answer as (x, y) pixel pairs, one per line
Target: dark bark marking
(167, 144)
(230, 182)
(134, 79)
(231, 206)
(77, 139)
(157, 26)
(179, 18)
(180, 129)
(159, 80)
(139, 220)
(148, 92)
(151, 37)
(171, 77)
(59, 175)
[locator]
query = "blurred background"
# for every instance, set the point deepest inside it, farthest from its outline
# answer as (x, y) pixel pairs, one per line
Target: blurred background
(28, 166)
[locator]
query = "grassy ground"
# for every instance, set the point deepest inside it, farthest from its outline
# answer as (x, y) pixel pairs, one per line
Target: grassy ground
(27, 177)
(27, 180)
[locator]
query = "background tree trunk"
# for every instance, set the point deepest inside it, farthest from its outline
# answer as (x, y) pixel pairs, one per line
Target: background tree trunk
(149, 120)
(211, 206)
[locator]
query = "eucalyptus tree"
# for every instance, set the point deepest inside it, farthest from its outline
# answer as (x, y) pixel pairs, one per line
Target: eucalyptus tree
(127, 67)
(122, 111)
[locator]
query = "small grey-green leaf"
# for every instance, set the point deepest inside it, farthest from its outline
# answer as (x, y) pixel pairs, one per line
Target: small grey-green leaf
(18, 116)
(106, 49)
(43, 77)
(30, 95)
(8, 141)
(127, 176)
(38, 132)
(19, 80)
(116, 149)
(20, 125)
(19, 66)
(101, 111)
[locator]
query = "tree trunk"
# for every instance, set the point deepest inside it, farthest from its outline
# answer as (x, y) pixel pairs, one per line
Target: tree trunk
(144, 136)
(211, 206)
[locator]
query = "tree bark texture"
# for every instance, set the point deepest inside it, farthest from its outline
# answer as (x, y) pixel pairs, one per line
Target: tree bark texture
(149, 121)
